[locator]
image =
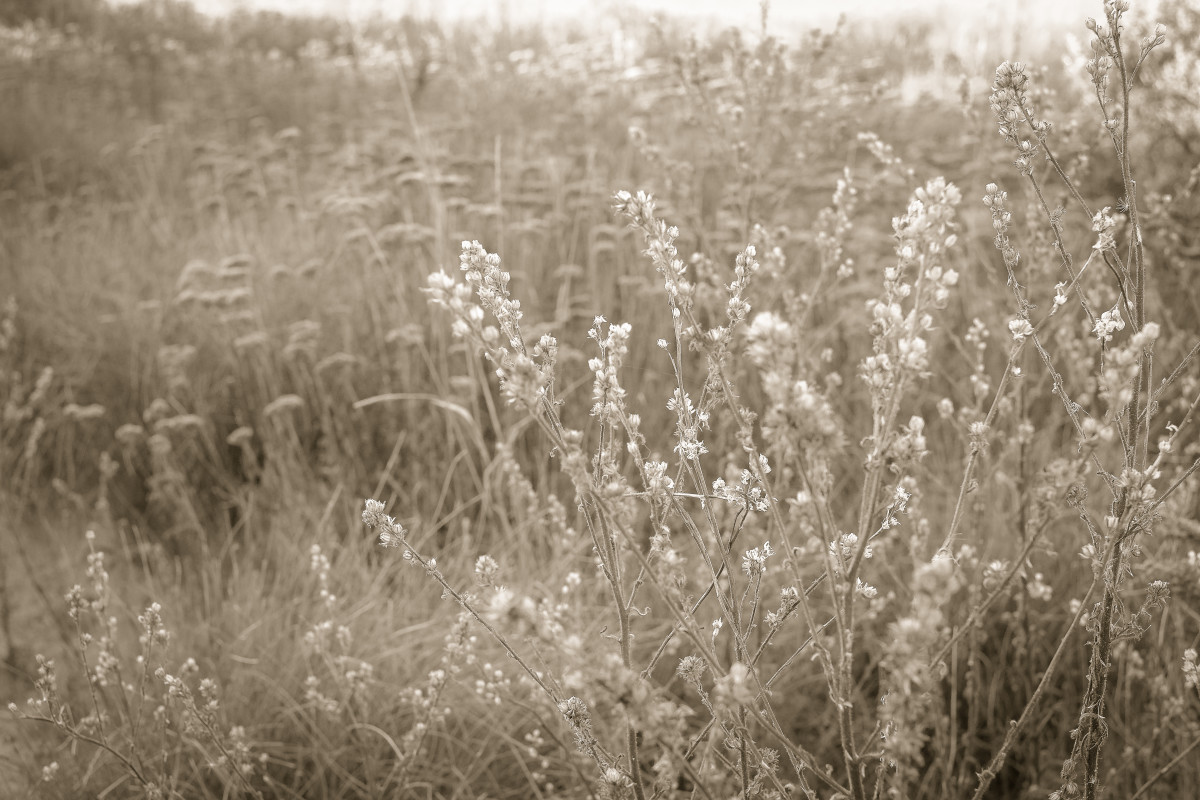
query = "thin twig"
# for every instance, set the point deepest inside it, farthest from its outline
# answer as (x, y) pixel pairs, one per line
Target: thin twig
(1014, 729)
(1165, 769)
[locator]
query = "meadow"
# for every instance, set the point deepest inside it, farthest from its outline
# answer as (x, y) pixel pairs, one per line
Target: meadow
(631, 409)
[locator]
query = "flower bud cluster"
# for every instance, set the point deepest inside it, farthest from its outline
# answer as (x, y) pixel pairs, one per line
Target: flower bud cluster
(1099, 65)
(754, 561)
(391, 533)
(660, 239)
(205, 710)
(688, 422)
(748, 492)
(525, 374)
(1103, 223)
(579, 720)
(734, 689)
(737, 309)
(900, 324)
(1010, 99)
(1191, 669)
(909, 448)
(996, 201)
(608, 396)
(908, 703)
(835, 223)
(1109, 323)
(667, 562)
(1122, 365)
(659, 485)
(151, 623)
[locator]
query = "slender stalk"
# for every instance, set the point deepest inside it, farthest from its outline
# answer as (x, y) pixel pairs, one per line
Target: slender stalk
(1014, 729)
(1165, 768)
(1136, 449)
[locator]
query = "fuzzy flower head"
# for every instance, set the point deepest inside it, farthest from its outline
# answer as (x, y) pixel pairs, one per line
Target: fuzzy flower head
(1109, 323)
(996, 200)
(574, 711)
(734, 689)
(525, 373)
(737, 308)
(487, 571)
(691, 669)
(482, 271)
(1104, 225)
(916, 284)
(1020, 329)
(660, 241)
(1009, 99)
(608, 396)
(754, 561)
(391, 533)
(770, 341)
(659, 485)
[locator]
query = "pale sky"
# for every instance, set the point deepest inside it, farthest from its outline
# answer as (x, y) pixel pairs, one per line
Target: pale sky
(808, 13)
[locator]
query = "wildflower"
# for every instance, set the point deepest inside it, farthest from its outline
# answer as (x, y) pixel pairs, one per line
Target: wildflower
(524, 380)
(733, 689)
(1157, 594)
(660, 239)
(746, 265)
(910, 446)
(1020, 329)
(689, 447)
(391, 533)
(978, 433)
(658, 484)
(607, 393)
(486, 571)
(905, 672)
(1108, 323)
(691, 669)
(845, 547)
(616, 779)
(1103, 224)
(993, 573)
(767, 337)
(1038, 588)
(1009, 101)
(151, 624)
(372, 515)
(754, 562)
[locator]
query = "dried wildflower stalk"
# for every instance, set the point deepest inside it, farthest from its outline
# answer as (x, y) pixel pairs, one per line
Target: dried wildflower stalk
(117, 721)
(1125, 378)
(901, 357)
(805, 441)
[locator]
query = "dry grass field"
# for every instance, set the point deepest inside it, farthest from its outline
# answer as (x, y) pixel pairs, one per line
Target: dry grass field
(631, 409)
